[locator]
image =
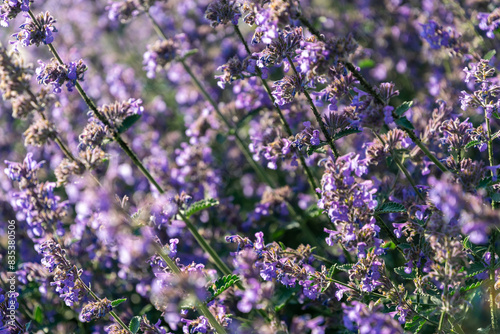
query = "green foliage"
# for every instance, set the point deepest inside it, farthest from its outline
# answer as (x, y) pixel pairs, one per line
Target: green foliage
(117, 302)
(472, 143)
(222, 284)
(346, 132)
(366, 63)
(128, 122)
(403, 108)
(490, 54)
(134, 325)
(201, 205)
(404, 123)
(401, 272)
(390, 207)
(345, 267)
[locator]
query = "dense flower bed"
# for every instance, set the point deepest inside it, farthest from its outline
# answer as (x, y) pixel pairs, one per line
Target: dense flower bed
(260, 166)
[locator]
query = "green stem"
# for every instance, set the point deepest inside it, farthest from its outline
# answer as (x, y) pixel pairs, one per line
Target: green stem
(441, 321)
(490, 151)
(493, 315)
(390, 233)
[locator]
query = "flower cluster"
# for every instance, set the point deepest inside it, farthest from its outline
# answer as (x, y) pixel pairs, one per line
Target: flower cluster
(56, 74)
(66, 276)
(489, 22)
(350, 203)
(35, 33)
(124, 11)
(42, 209)
(488, 89)
(222, 12)
(11, 8)
(96, 310)
(438, 37)
(161, 54)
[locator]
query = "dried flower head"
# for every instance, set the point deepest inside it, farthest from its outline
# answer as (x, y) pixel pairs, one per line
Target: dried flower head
(95, 310)
(222, 12)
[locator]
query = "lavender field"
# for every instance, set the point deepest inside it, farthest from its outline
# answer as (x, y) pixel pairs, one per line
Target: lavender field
(249, 166)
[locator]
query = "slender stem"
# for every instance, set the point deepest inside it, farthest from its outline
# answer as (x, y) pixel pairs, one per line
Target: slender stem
(112, 313)
(199, 304)
(393, 238)
(490, 151)
(424, 149)
(156, 26)
(441, 321)
(493, 314)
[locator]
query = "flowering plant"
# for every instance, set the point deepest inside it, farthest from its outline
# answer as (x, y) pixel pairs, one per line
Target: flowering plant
(244, 166)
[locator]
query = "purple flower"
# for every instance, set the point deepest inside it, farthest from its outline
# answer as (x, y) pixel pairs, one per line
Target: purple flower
(56, 74)
(11, 8)
(35, 34)
(285, 89)
(369, 319)
(489, 22)
(95, 310)
(222, 12)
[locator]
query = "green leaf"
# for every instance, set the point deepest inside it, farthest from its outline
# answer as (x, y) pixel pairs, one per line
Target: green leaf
(222, 284)
(38, 314)
(472, 143)
(467, 244)
(316, 148)
(401, 272)
(484, 182)
(389, 245)
(490, 54)
(366, 63)
(345, 267)
(413, 323)
(128, 122)
(390, 207)
(282, 245)
(495, 197)
(313, 211)
(117, 302)
(472, 286)
(475, 269)
(346, 132)
(331, 271)
(404, 123)
(134, 324)
(403, 108)
(201, 205)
